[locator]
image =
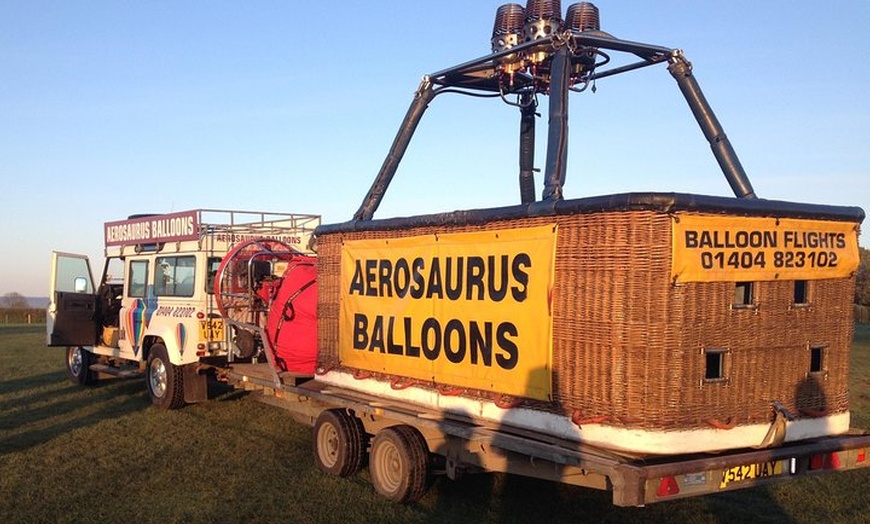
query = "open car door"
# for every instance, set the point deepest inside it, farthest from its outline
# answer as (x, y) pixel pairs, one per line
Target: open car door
(72, 317)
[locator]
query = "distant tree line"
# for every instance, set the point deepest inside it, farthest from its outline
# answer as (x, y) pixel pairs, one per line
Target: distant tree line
(13, 301)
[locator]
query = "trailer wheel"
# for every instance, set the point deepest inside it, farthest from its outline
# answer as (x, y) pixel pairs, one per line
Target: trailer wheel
(399, 464)
(165, 380)
(339, 442)
(78, 365)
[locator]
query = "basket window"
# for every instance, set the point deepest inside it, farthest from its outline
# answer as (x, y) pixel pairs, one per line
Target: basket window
(714, 370)
(801, 295)
(817, 359)
(743, 294)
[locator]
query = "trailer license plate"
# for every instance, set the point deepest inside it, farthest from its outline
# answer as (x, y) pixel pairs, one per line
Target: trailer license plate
(750, 471)
(211, 329)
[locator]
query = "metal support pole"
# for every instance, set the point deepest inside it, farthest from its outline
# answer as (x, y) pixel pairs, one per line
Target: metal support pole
(527, 147)
(681, 70)
(424, 95)
(557, 137)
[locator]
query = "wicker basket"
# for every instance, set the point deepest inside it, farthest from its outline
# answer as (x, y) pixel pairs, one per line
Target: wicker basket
(632, 348)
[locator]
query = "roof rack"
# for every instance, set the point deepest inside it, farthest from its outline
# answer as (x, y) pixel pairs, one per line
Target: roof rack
(212, 229)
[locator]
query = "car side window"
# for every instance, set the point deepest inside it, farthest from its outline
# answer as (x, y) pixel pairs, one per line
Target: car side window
(175, 276)
(138, 278)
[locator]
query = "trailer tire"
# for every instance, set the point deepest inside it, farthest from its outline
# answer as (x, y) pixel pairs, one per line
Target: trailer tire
(165, 380)
(78, 365)
(399, 464)
(339, 442)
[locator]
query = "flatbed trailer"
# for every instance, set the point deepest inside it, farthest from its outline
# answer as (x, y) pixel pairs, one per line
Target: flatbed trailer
(458, 443)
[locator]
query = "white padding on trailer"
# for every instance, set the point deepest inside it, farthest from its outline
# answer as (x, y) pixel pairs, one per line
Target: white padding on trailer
(643, 441)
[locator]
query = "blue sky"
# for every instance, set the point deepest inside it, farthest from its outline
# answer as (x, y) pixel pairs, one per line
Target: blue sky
(110, 108)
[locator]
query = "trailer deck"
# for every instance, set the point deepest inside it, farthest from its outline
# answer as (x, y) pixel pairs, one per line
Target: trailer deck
(463, 444)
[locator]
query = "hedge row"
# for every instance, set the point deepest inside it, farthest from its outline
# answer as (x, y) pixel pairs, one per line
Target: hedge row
(22, 316)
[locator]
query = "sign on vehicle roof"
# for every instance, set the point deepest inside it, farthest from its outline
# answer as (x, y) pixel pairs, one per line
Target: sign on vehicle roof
(172, 227)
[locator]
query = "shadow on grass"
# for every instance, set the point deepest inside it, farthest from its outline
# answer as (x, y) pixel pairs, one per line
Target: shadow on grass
(17, 384)
(751, 505)
(221, 391)
(47, 406)
(507, 499)
(25, 399)
(37, 419)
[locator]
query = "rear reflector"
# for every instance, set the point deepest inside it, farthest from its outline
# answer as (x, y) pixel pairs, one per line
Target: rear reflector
(668, 487)
(825, 461)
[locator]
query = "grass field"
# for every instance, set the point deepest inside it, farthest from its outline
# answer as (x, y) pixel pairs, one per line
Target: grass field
(102, 454)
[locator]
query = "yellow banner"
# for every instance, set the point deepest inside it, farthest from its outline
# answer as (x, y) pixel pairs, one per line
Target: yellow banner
(466, 309)
(743, 249)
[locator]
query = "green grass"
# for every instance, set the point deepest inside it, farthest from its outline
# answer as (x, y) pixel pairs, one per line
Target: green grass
(102, 454)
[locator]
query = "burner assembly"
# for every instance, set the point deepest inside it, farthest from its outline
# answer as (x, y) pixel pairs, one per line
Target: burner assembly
(540, 19)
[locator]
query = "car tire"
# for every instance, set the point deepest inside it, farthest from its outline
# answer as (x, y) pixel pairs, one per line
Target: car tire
(165, 380)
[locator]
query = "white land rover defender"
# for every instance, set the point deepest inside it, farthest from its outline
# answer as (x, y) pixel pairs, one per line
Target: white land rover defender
(154, 308)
